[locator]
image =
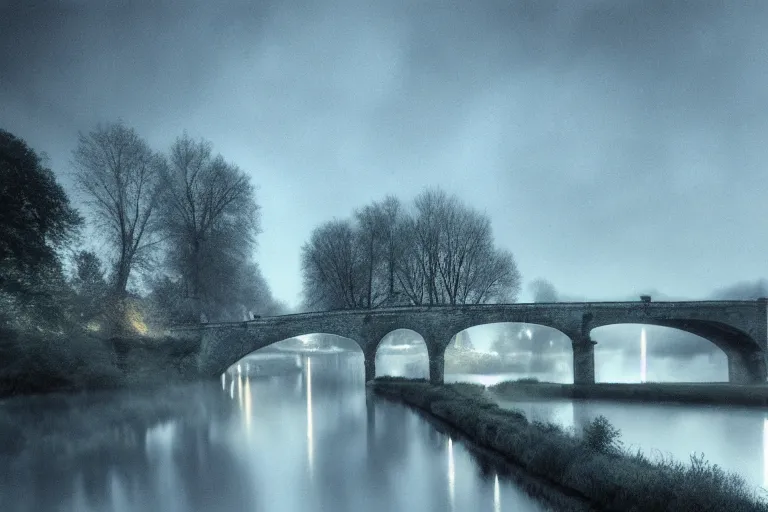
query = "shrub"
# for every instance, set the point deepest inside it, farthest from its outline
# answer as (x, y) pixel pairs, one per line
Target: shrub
(600, 436)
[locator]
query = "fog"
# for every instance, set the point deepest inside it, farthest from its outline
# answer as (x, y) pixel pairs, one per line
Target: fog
(617, 146)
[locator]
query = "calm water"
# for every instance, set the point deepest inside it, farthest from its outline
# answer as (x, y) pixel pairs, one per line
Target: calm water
(309, 439)
(735, 438)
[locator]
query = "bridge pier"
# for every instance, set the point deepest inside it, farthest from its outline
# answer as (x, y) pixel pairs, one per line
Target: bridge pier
(583, 360)
(370, 368)
(746, 367)
(436, 368)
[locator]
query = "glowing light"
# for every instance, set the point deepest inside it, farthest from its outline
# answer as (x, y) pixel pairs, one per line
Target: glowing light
(93, 326)
(247, 400)
(310, 427)
(135, 319)
(643, 357)
(240, 391)
(239, 368)
(529, 333)
(223, 381)
(232, 390)
(765, 453)
(451, 475)
(496, 494)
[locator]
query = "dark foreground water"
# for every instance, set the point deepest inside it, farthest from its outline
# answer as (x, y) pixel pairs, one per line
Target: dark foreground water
(308, 439)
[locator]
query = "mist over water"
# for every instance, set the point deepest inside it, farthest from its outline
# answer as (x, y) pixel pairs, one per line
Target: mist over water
(306, 440)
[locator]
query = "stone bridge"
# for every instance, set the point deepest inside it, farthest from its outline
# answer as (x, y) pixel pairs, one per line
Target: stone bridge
(738, 328)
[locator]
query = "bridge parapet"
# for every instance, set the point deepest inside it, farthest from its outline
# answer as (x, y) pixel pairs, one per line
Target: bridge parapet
(740, 328)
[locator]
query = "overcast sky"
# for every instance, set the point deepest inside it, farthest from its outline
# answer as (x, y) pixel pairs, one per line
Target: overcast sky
(618, 147)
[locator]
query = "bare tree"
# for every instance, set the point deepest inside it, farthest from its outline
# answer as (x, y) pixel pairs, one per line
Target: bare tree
(209, 214)
(441, 254)
(378, 229)
(369, 234)
(120, 176)
(393, 218)
(455, 258)
(331, 268)
(432, 207)
(410, 271)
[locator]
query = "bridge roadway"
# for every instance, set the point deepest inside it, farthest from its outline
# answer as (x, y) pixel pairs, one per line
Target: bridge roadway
(739, 328)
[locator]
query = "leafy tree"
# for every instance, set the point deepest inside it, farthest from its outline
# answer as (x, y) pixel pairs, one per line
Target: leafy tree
(36, 223)
(543, 291)
(89, 284)
(36, 218)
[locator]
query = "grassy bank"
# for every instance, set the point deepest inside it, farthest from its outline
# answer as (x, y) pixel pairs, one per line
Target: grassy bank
(700, 393)
(34, 362)
(592, 464)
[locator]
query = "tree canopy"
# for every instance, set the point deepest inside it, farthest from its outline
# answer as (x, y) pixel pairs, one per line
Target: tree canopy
(440, 252)
(36, 217)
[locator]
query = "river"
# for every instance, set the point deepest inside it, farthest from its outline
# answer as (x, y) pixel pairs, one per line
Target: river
(307, 439)
(735, 438)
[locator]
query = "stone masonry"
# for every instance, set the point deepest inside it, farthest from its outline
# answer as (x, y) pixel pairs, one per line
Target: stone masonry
(739, 328)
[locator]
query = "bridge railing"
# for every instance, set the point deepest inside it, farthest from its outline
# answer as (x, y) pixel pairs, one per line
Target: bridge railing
(464, 307)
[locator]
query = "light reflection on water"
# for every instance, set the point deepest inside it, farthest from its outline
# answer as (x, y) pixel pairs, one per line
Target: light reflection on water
(246, 443)
(735, 438)
(451, 476)
(310, 440)
(313, 441)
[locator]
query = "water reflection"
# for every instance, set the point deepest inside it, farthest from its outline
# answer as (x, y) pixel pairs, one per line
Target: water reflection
(451, 476)
(232, 445)
(735, 438)
(765, 452)
(310, 446)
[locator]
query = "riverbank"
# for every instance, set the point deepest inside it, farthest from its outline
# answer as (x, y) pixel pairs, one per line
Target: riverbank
(696, 393)
(37, 363)
(592, 465)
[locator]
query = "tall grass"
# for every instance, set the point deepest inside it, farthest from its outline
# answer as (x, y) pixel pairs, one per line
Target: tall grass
(592, 463)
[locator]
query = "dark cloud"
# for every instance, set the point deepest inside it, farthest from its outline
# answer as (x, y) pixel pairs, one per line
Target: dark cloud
(616, 145)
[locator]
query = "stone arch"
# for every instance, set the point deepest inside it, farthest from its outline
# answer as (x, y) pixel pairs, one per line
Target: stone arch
(571, 335)
(746, 358)
(224, 347)
(507, 337)
(386, 341)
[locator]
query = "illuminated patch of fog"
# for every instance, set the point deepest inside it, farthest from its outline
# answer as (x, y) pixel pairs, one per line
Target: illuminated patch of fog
(620, 366)
(496, 494)
(402, 353)
(161, 437)
(485, 380)
(664, 354)
(643, 357)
